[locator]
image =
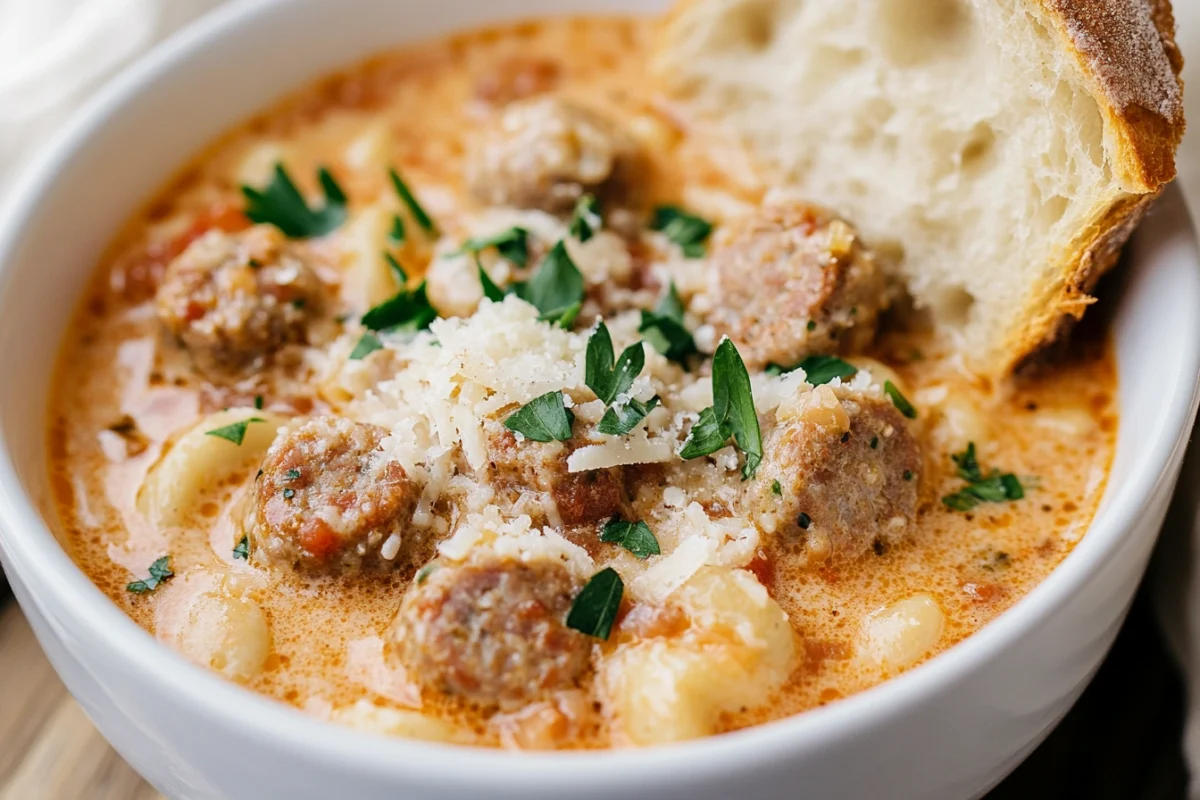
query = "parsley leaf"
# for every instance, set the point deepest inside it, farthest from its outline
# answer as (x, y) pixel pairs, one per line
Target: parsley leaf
(543, 419)
(604, 377)
(281, 204)
(512, 245)
(586, 219)
(368, 344)
(160, 572)
(731, 414)
(398, 234)
(995, 487)
(490, 290)
(621, 418)
(686, 230)
(242, 550)
(556, 286)
(595, 607)
(234, 432)
(562, 317)
(406, 310)
(663, 328)
(899, 400)
(818, 370)
(410, 202)
(635, 537)
(777, 488)
(397, 271)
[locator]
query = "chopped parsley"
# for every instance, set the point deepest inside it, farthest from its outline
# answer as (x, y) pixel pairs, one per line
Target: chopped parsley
(490, 290)
(398, 271)
(292, 474)
(398, 234)
(160, 572)
(993, 487)
(686, 230)
(410, 202)
(556, 287)
(512, 245)
(289, 493)
(586, 219)
(732, 413)
(874, 442)
(258, 402)
(406, 310)
(663, 328)
(562, 317)
(368, 343)
(804, 521)
(543, 419)
(281, 204)
(242, 550)
(621, 418)
(636, 537)
(423, 573)
(777, 488)
(234, 432)
(606, 377)
(899, 400)
(595, 608)
(909, 475)
(818, 370)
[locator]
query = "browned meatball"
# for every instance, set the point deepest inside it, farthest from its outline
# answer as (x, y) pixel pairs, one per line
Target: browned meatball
(232, 299)
(328, 500)
(581, 498)
(846, 479)
(794, 281)
(493, 633)
(546, 153)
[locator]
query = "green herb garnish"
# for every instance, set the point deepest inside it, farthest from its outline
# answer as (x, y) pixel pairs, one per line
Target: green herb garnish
(490, 290)
(731, 414)
(281, 204)
(899, 400)
(410, 311)
(258, 402)
(368, 343)
(562, 317)
(777, 488)
(512, 245)
(606, 377)
(818, 370)
(289, 493)
(586, 219)
(424, 572)
(804, 521)
(621, 418)
(595, 607)
(234, 432)
(636, 537)
(995, 487)
(410, 202)
(160, 572)
(543, 419)
(242, 550)
(663, 328)
(686, 230)
(556, 286)
(398, 272)
(398, 233)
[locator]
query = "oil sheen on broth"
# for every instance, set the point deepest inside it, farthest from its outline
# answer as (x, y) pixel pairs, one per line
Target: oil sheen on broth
(867, 590)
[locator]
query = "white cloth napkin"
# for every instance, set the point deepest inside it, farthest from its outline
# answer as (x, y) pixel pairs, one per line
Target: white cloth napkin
(53, 52)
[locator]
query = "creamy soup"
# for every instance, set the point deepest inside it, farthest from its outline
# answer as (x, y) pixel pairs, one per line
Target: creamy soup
(534, 418)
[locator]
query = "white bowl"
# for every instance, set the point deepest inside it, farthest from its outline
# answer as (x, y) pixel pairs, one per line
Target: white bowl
(948, 729)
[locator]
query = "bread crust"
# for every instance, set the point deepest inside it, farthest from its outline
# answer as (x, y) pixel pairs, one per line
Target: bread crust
(1127, 49)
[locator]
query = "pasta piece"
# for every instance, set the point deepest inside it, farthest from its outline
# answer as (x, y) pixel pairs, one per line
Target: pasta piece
(257, 167)
(738, 649)
(206, 619)
(366, 716)
(200, 459)
(901, 634)
(367, 279)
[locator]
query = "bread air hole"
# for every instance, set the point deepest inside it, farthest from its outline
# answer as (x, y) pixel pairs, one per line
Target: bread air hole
(953, 306)
(915, 31)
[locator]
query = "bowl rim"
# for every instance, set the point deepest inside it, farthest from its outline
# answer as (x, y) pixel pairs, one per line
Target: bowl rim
(38, 559)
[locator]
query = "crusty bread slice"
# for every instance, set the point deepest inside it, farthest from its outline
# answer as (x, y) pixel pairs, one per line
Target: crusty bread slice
(1001, 150)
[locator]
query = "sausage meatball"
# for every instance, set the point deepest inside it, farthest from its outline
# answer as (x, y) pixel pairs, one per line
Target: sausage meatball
(231, 299)
(328, 500)
(546, 153)
(847, 467)
(581, 498)
(493, 632)
(794, 281)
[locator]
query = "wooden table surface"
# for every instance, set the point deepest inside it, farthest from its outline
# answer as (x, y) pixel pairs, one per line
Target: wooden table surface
(1120, 742)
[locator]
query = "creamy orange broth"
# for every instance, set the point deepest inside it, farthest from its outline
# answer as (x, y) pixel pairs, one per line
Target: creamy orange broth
(1058, 428)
